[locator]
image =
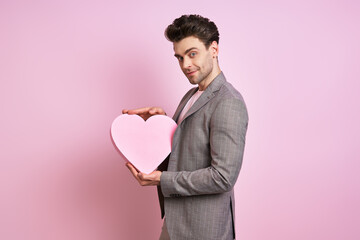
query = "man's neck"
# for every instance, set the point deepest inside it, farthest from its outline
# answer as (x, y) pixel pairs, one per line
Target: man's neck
(206, 82)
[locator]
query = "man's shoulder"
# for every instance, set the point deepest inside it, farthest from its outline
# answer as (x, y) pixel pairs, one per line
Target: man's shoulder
(228, 91)
(228, 97)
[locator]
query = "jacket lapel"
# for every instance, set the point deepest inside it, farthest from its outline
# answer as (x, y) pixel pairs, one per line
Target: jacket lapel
(208, 94)
(183, 103)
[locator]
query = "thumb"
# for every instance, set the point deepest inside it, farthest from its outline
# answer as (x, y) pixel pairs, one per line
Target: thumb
(141, 176)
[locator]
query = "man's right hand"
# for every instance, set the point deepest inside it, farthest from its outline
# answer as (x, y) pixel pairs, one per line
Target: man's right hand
(146, 112)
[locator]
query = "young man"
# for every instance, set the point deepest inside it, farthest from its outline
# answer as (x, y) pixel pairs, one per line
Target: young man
(195, 183)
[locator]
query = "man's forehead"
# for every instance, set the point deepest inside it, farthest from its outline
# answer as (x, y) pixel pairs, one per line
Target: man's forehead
(187, 43)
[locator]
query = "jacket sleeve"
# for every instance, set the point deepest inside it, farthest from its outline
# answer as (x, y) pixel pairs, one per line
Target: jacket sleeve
(228, 126)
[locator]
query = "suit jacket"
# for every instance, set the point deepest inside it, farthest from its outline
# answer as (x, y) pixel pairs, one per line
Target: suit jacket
(196, 190)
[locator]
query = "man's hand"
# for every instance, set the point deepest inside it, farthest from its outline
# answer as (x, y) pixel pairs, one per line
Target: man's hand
(152, 179)
(146, 112)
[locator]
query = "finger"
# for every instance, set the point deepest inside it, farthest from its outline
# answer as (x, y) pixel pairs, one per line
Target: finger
(139, 111)
(131, 167)
(124, 111)
(153, 111)
(148, 110)
(137, 175)
(132, 170)
(143, 176)
(157, 111)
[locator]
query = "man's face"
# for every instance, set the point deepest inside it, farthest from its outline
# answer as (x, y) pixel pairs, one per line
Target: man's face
(195, 60)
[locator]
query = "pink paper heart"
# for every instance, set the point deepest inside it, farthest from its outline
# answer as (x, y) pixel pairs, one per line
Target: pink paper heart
(145, 144)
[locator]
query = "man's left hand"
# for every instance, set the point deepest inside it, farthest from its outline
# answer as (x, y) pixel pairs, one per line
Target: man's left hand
(152, 179)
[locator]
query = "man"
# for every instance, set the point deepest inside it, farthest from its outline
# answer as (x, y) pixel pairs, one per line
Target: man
(195, 183)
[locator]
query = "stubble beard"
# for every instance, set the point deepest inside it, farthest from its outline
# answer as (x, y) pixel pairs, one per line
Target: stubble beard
(202, 75)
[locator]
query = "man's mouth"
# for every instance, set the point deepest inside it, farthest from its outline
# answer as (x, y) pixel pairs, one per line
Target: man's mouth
(191, 73)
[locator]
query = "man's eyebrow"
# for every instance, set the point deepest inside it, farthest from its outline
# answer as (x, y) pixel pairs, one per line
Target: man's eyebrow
(188, 50)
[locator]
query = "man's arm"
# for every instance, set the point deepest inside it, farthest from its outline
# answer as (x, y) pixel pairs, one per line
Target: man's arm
(228, 128)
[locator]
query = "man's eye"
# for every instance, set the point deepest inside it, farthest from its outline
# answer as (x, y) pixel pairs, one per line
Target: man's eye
(180, 59)
(193, 54)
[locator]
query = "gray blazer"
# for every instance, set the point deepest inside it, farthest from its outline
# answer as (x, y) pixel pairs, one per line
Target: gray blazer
(196, 190)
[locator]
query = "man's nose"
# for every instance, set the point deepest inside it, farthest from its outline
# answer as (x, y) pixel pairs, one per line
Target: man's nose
(186, 63)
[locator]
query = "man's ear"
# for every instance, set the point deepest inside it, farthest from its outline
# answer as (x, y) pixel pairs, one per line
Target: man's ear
(214, 49)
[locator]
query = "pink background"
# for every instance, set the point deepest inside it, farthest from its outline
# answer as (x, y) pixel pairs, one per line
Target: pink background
(68, 68)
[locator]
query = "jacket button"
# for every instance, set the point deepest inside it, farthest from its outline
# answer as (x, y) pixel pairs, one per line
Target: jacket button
(175, 195)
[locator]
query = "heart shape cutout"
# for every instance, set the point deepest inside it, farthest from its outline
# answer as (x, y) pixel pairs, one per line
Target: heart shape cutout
(145, 144)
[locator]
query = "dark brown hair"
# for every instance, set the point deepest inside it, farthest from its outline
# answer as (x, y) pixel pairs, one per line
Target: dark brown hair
(192, 25)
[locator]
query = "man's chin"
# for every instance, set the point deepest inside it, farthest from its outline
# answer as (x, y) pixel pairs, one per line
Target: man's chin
(192, 81)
